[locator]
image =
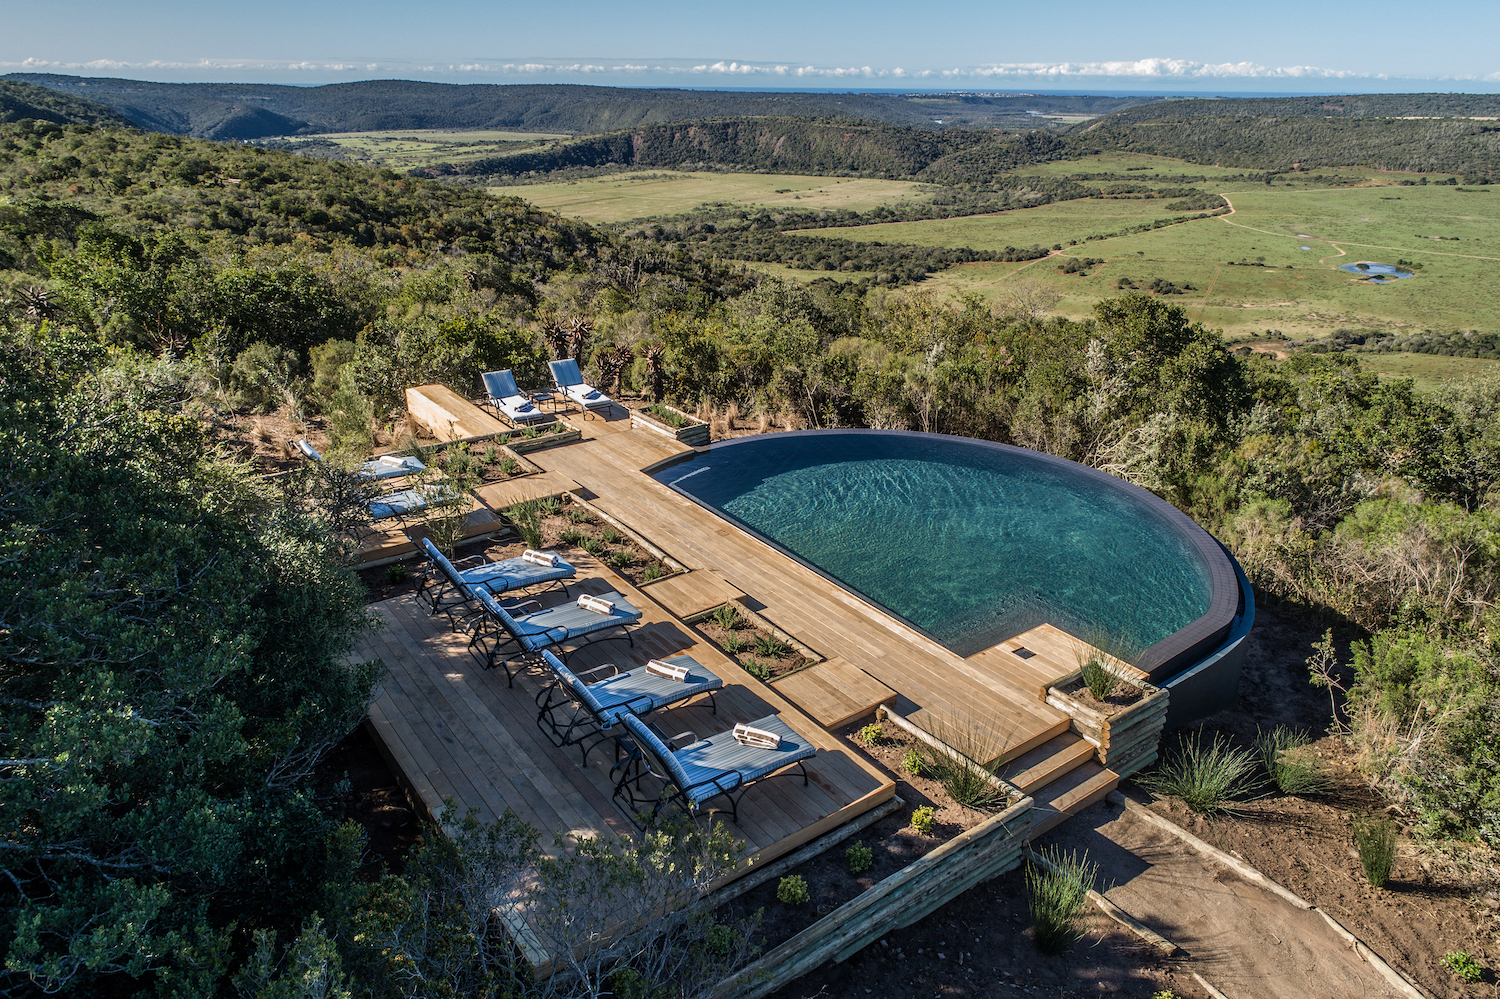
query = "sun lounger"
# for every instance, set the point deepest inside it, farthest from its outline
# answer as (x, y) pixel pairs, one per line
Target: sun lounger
(573, 712)
(570, 383)
(384, 467)
(509, 401)
(695, 774)
(448, 585)
(409, 502)
(498, 633)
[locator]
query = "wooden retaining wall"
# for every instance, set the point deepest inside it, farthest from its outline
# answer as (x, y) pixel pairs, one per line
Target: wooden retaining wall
(970, 858)
(694, 434)
(1127, 740)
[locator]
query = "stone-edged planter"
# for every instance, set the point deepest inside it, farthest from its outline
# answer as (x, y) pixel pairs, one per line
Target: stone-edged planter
(525, 445)
(1126, 738)
(694, 433)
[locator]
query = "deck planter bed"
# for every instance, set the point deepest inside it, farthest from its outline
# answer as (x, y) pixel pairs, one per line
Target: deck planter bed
(521, 444)
(693, 432)
(1125, 735)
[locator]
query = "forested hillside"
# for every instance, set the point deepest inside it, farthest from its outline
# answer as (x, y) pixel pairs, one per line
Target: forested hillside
(251, 111)
(26, 100)
(1344, 106)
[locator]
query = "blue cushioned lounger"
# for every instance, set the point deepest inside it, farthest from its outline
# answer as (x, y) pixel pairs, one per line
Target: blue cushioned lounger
(707, 769)
(508, 400)
(570, 382)
(448, 585)
(409, 501)
(594, 708)
(497, 633)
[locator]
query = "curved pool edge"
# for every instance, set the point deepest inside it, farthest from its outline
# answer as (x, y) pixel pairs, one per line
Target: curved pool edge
(1168, 657)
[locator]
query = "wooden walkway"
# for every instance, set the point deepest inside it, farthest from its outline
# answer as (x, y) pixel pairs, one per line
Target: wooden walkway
(935, 687)
(456, 731)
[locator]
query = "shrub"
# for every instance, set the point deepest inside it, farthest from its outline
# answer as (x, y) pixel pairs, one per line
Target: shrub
(732, 643)
(509, 466)
(861, 858)
(653, 571)
(1203, 777)
(1290, 762)
(964, 774)
(528, 520)
(593, 546)
(923, 819)
(872, 734)
(570, 536)
(1375, 839)
(1463, 964)
(792, 890)
(756, 668)
(396, 572)
(549, 505)
(770, 645)
(622, 559)
(728, 618)
(611, 536)
(1057, 892)
(912, 762)
(579, 515)
(491, 455)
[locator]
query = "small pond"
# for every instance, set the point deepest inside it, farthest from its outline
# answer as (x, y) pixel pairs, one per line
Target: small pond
(1376, 272)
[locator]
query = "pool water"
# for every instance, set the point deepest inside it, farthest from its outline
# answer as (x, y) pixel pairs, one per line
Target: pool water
(970, 542)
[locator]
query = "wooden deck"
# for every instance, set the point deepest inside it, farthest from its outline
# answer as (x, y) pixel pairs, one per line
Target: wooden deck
(933, 685)
(448, 416)
(457, 731)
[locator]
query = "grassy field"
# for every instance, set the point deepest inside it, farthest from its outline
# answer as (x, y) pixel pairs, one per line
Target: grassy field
(411, 148)
(622, 197)
(1299, 235)
(1428, 370)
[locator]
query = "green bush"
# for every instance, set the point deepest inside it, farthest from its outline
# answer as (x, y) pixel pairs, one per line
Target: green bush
(1464, 965)
(579, 515)
(326, 361)
(771, 646)
(1203, 777)
(860, 857)
(593, 546)
(872, 734)
(756, 668)
(792, 890)
(621, 559)
(1375, 840)
(528, 520)
(728, 618)
(653, 571)
(1057, 892)
(923, 819)
(912, 762)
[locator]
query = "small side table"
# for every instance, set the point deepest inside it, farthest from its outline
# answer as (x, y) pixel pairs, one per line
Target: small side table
(541, 398)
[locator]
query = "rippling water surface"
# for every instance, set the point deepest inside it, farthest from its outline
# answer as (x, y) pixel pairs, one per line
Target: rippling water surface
(969, 543)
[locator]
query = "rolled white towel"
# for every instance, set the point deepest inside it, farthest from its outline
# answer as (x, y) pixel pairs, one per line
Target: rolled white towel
(535, 557)
(395, 461)
(749, 735)
(596, 604)
(671, 672)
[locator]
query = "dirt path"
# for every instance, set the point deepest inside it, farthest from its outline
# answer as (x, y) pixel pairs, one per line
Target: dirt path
(1244, 940)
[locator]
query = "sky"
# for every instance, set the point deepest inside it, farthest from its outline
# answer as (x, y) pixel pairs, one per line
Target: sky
(1149, 46)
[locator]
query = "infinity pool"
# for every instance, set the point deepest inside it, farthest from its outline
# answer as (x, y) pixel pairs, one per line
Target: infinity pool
(969, 541)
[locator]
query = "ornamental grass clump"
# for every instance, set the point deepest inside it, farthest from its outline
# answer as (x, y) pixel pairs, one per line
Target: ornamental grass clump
(1290, 762)
(528, 520)
(1375, 839)
(1203, 777)
(1057, 892)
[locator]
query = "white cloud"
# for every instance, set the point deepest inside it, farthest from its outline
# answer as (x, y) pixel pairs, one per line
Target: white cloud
(1155, 69)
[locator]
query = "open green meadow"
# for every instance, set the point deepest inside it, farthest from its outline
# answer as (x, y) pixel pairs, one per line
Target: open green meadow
(1428, 370)
(1299, 236)
(411, 148)
(622, 197)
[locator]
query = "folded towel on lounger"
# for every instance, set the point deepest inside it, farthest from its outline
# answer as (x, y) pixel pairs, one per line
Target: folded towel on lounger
(591, 394)
(539, 558)
(748, 735)
(394, 460)
(595, 604)
(679, 673)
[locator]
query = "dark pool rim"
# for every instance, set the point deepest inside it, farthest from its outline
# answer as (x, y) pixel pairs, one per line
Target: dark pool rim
(1177, 652)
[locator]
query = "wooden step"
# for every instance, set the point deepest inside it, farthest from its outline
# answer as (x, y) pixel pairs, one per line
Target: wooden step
(1048, 762)
(835, 692)
(1070, 795)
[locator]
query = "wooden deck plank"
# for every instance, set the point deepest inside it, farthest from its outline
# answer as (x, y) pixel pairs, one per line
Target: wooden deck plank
(688, 594)
(448, 416)
(835, 692)
(499, 495)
